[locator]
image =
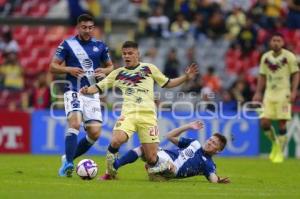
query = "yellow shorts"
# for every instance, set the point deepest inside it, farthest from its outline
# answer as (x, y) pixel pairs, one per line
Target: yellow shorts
(145, 125)
(280, 110)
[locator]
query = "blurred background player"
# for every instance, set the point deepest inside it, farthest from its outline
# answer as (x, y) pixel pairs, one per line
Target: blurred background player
(83, 59)
(190, 159)
(136, 80)
(279, 75)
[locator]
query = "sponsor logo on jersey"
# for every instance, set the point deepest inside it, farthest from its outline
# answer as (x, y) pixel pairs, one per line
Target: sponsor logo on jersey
(129, 91)
(87, 63)
(189, 153)
(135, 78)
(275, 66)
(95, 49)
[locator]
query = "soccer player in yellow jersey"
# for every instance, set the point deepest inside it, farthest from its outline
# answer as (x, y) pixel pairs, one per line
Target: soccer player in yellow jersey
(136, 80)
(278, 74)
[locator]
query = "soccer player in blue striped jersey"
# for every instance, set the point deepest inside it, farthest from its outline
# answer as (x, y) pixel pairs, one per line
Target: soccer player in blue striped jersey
(190, 159)
(84, 60)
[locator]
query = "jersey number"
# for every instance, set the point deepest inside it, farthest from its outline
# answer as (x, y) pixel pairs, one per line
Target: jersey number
(153, 131)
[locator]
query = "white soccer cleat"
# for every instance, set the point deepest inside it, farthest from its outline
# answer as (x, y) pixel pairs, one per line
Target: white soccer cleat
(160, 168)
(110, 159)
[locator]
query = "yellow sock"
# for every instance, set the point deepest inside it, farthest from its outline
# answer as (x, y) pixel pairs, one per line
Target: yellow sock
(282, 139)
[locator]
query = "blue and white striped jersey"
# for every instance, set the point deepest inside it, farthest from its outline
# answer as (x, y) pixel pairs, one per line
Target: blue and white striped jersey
(88, 55)
(191, 160)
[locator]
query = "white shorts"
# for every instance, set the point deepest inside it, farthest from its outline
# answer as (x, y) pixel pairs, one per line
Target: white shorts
(165, 157)
(88, 105)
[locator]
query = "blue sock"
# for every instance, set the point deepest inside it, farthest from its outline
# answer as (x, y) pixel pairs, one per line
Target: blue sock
(83, 146)
(70, 146)
(129, 157)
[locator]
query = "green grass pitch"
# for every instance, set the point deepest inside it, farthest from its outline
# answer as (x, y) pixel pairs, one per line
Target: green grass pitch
(30, 176)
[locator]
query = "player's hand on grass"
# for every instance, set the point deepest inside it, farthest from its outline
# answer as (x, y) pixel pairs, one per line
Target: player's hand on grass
(191, 71)
(224, 180)
(257, 97)
(77, 72)
(196, 125)
(84, 90)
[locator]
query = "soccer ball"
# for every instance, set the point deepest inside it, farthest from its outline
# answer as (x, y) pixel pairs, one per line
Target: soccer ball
(87, 169)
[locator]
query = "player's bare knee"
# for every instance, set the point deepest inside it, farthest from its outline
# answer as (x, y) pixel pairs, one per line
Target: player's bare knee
(94, 135)
(116, 142)
(74, 125)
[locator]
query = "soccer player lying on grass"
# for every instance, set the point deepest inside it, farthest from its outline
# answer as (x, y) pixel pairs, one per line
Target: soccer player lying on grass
(190, 159)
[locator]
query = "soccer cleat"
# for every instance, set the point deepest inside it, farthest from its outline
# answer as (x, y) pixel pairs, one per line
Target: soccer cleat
(273, 150)
(61, 169)
(278, 158)
(110, 159)
(69, 168)
(66, 168)
(159, 168)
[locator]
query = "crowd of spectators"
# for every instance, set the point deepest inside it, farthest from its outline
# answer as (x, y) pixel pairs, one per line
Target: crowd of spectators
(224, 37)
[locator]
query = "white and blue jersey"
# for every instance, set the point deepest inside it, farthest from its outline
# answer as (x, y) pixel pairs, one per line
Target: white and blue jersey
(190, 159)
(88, 55)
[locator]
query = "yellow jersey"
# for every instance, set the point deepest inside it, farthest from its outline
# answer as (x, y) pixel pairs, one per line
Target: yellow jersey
(137, 86)
(278, 71)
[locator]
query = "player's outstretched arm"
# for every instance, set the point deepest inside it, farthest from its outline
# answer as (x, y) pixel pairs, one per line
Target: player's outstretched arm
(89, 90)
(216, 179)
(175, 133)
(190, 72)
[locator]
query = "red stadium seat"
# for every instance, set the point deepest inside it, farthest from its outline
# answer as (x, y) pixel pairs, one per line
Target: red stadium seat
(25, 42)
(262, 36)
(43, 52)
(37, 41)
(38, 10)
(43, 64)
(20, 31)
(37, 30)
(3, 98)
(24, 54)
(297, 48)
(30, 66)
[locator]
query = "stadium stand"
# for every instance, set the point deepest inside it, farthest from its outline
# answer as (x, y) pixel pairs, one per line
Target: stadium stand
(218, 34)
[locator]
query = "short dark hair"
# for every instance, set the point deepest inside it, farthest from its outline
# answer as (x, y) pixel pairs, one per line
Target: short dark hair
(276, 34)
(130, 44)
(222, 139)
(85, 17)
